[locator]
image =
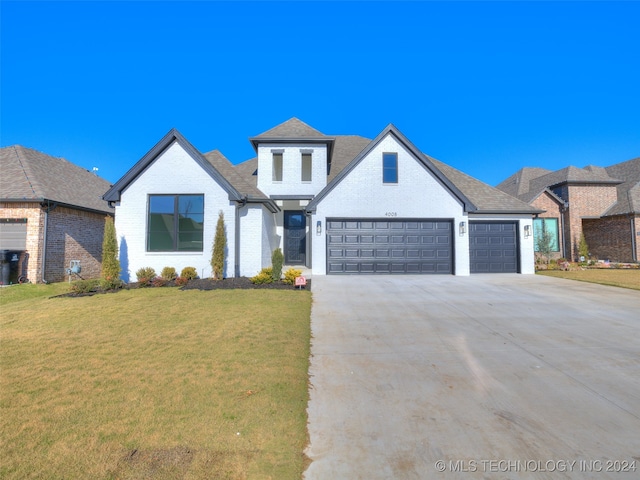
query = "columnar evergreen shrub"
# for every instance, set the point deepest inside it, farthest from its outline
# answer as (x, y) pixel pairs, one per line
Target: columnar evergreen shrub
(277, 260)
(219, 247)
(110, 272)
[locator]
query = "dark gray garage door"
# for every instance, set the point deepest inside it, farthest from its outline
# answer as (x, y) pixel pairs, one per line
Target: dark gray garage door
(389, 246)
(493, 247)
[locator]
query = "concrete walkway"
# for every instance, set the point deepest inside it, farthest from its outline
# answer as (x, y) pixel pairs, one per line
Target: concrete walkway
(487, 376)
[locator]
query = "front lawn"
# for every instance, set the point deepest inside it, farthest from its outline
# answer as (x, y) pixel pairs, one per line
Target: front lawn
(154, 383)
(616, 277)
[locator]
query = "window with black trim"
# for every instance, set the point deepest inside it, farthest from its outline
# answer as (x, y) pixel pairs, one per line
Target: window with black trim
(306, 167)
(389, 168)
(548, 226)
(277, 167)
(175, 223)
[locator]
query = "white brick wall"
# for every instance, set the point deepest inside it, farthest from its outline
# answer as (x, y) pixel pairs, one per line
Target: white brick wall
(363, 195)
(173, 172)
(292, 169)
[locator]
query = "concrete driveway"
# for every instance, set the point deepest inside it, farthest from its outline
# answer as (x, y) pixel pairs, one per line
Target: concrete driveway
(487, 376)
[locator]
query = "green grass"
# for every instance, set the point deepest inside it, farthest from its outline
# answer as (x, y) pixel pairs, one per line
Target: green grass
(154, 383)
(15, 293)
(615, 277)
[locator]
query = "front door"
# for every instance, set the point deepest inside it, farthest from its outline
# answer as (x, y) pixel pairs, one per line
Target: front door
(295, 224)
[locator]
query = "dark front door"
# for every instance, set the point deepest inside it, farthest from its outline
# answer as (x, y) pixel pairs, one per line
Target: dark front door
(295, 224)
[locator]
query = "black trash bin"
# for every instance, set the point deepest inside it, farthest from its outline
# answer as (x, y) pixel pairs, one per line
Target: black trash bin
(5, 266)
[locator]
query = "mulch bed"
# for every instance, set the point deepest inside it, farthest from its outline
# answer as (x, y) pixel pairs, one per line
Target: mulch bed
(201, 284)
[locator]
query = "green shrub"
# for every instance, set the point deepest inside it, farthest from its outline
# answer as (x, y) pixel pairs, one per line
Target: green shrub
(180, 281)
(189, 273)
(219, 247)
(265, 276)
(145, 275)
(110, 271)
(168, 273)
(290, 276)
(84, 286)
(108, 284)
(277, 260)
(158, 282)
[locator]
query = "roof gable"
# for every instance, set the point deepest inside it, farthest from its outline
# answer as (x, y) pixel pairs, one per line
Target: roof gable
(404, 141)
(173, 136)
(30, 175)
(291, 128)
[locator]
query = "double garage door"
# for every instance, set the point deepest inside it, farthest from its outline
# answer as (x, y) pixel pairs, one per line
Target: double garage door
(392, 246)
(421, 246)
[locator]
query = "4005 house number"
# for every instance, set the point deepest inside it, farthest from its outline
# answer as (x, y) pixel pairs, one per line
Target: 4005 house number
(391, 214)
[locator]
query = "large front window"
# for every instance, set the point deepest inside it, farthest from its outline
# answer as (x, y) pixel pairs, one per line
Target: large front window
(545, 233)
(175, 223)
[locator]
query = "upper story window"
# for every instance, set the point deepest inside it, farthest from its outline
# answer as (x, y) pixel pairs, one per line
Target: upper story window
(307, 164)
(175, 223)
(389, 168)
(277, 167)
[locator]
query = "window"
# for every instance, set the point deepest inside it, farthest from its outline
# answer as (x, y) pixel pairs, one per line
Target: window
(390, 168)
(175, 223)
(548, 226)
(277, 167)
(306, 167)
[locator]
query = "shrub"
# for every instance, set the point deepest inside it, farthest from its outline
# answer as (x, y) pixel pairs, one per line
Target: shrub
(290, 276)
(145, 275)
(189, 273)
(84, 286)
(180, 281)
(108, 284)
(265, 276)
(219, 246)
(168, 273)
(158, 282)
(277, 260)
(110, 271)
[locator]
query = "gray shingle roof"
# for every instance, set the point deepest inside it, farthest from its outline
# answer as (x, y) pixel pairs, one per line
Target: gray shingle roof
(292, 128)
(629, 190)
(33, 176)
(234, 175)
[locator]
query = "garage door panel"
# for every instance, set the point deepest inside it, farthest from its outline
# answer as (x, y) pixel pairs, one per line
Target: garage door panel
(401, 247)
(493, 247)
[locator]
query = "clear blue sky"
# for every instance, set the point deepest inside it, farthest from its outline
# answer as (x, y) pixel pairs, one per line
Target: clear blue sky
(485, 87)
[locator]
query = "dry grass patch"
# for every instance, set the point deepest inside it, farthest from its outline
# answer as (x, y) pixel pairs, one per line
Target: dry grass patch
(155, 383)
(614, 277)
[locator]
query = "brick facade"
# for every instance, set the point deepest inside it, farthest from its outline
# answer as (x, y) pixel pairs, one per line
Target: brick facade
(552, 209)
(71, 235)
(608, 238)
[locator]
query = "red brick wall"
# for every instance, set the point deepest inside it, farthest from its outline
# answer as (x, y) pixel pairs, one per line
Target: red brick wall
(584, 201)
(610, 238)
(71, 235)
(552, 210)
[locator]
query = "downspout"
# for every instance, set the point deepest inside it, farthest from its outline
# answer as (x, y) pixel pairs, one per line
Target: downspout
(236, 253)
(634, 256)
(564, 234)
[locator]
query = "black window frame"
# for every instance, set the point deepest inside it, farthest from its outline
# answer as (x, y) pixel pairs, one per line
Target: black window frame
(555, 231)
(389, 169)
(179, 221)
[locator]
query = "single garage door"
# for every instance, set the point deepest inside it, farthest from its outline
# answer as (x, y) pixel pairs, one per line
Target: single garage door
(493, 247)
(389, 246)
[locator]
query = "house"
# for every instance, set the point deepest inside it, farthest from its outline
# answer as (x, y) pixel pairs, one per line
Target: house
(603, 203)
(334, 204)
(51, 213)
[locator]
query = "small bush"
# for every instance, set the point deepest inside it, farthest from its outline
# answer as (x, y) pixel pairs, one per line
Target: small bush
(84, 286)
(158, 282)
(180, 281)
(189, 273)
(168, 273)
(109, 284)
(290, 276)
(145, 275)
(265, 276)
(277, 260)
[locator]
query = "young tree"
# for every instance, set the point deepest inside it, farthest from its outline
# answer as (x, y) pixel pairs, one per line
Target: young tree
(544, 241)
(110, 264)
(583, 248)
(277, 260)
(219, 248)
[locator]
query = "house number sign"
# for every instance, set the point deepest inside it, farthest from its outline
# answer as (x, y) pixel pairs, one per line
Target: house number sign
(391, 214)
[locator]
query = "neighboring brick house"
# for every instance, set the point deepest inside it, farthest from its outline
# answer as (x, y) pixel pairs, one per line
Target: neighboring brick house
(51, 212)
(603, 203)
(334, 204)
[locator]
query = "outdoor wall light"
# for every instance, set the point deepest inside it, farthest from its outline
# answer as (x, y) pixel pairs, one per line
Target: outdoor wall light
(318, 227)
(527, 231)
(462, 228)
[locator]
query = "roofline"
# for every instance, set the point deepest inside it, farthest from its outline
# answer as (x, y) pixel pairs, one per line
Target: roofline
(585, 182)
(553, 196)
(114, 193)
(424, 159)
(507, 212)
(267, 202)
(39, 201)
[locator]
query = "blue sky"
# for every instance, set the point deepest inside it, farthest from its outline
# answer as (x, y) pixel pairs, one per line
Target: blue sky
(487, 87)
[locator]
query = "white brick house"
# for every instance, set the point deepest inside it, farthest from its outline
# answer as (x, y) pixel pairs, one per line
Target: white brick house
(334, 204)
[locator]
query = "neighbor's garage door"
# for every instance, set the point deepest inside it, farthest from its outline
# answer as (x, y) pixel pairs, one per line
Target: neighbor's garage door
(393, 246)
(493, 247)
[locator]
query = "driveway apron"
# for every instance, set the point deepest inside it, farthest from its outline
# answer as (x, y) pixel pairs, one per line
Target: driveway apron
(485, 376)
